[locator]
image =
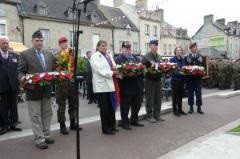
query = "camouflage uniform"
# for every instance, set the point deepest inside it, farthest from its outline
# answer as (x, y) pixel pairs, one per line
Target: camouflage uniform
(65, 92)
(222, 75)
(236, 76)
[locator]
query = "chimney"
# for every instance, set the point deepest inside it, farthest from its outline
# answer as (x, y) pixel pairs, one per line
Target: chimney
(142, 4)
(233, 24)
(117, 3)
(221, 21)
(208, 19)
(97, 2)
(160, 14)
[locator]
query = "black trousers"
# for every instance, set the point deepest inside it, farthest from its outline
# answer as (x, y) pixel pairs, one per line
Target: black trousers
(195, 86)
(91, 95)
(132, 101)
(107, 112)
(177, 95)
(8, 108)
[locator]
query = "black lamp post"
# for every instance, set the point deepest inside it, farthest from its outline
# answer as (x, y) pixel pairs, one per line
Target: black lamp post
(76, 33)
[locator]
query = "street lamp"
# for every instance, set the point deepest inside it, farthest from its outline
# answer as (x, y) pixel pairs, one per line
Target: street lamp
(76, 33)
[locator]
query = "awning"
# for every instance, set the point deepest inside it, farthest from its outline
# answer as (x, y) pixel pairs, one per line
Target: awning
(17, 47)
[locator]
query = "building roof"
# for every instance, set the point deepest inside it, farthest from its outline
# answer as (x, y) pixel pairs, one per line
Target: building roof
(171, 31)
(12, 1)
(57, 8)
(222, 27)
(213, 53)
(114, 13)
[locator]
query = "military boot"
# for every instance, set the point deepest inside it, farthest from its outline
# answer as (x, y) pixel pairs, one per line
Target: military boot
(199, 110)
(73, 125)
(63, 129)
(191, 110)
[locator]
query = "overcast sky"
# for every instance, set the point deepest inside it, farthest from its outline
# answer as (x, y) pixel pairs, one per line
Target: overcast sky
(189, 13)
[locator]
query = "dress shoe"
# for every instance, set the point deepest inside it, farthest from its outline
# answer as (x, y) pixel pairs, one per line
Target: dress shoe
(90, 102)
(176, 114)
(159, 119)
(137, 124)
(49, 141)
(108, 132)
(190, 110)
(63, 129)
(4, 130)
(95, 102)
(199, 110)
(182, 112)
(151, 120)
(73, 125)
(15, 128)
(42, 145)
(126, 127)
(115, 130)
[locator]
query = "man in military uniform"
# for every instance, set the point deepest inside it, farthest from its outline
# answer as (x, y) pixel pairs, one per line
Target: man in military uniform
(65, 90)
(236, 76)
(229, 79)
(210, 79)
(215, 74)
(153, 86)
(194, 82)
(222, 75)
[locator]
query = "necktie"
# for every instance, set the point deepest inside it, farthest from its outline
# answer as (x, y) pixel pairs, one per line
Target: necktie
(41, 60)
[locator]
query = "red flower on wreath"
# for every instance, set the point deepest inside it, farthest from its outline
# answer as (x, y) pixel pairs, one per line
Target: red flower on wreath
(48, 77)
(36, 79)
(69, 75)
(127, 67)
(62, 77)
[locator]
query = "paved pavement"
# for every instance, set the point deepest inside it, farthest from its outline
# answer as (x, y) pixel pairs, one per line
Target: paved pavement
(219, 144)
(149, 142)
(85, 110)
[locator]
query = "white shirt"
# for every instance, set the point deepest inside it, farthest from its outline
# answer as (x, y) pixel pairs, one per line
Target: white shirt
(4, 54)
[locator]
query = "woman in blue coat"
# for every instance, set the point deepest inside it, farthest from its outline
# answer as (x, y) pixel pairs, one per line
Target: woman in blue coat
(177, 81)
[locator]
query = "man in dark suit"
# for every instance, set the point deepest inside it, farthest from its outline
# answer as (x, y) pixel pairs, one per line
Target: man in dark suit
(130, 90)
(91, 95)
(37, 60)
(194, 83)
(8, 88)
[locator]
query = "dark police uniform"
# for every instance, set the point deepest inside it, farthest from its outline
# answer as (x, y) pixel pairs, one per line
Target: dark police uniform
(194, 82)
(130, 93)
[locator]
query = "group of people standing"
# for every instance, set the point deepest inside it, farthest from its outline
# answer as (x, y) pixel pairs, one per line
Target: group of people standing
(223, 74)
(132, 86)
(108, 90)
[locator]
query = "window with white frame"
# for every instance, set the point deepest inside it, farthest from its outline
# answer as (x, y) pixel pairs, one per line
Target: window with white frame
(120, 46)
(3, 29)
(45, 33)
(165, 49)
(135, 47)
(71, 39)
(95, 38)
(155, 31)
(170, 49)
(42, 10)
(2, 12)
(147, 29)
(147, 49)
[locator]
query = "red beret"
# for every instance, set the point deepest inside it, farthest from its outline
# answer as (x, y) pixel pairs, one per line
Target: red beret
(62, 39)
(192, 45)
